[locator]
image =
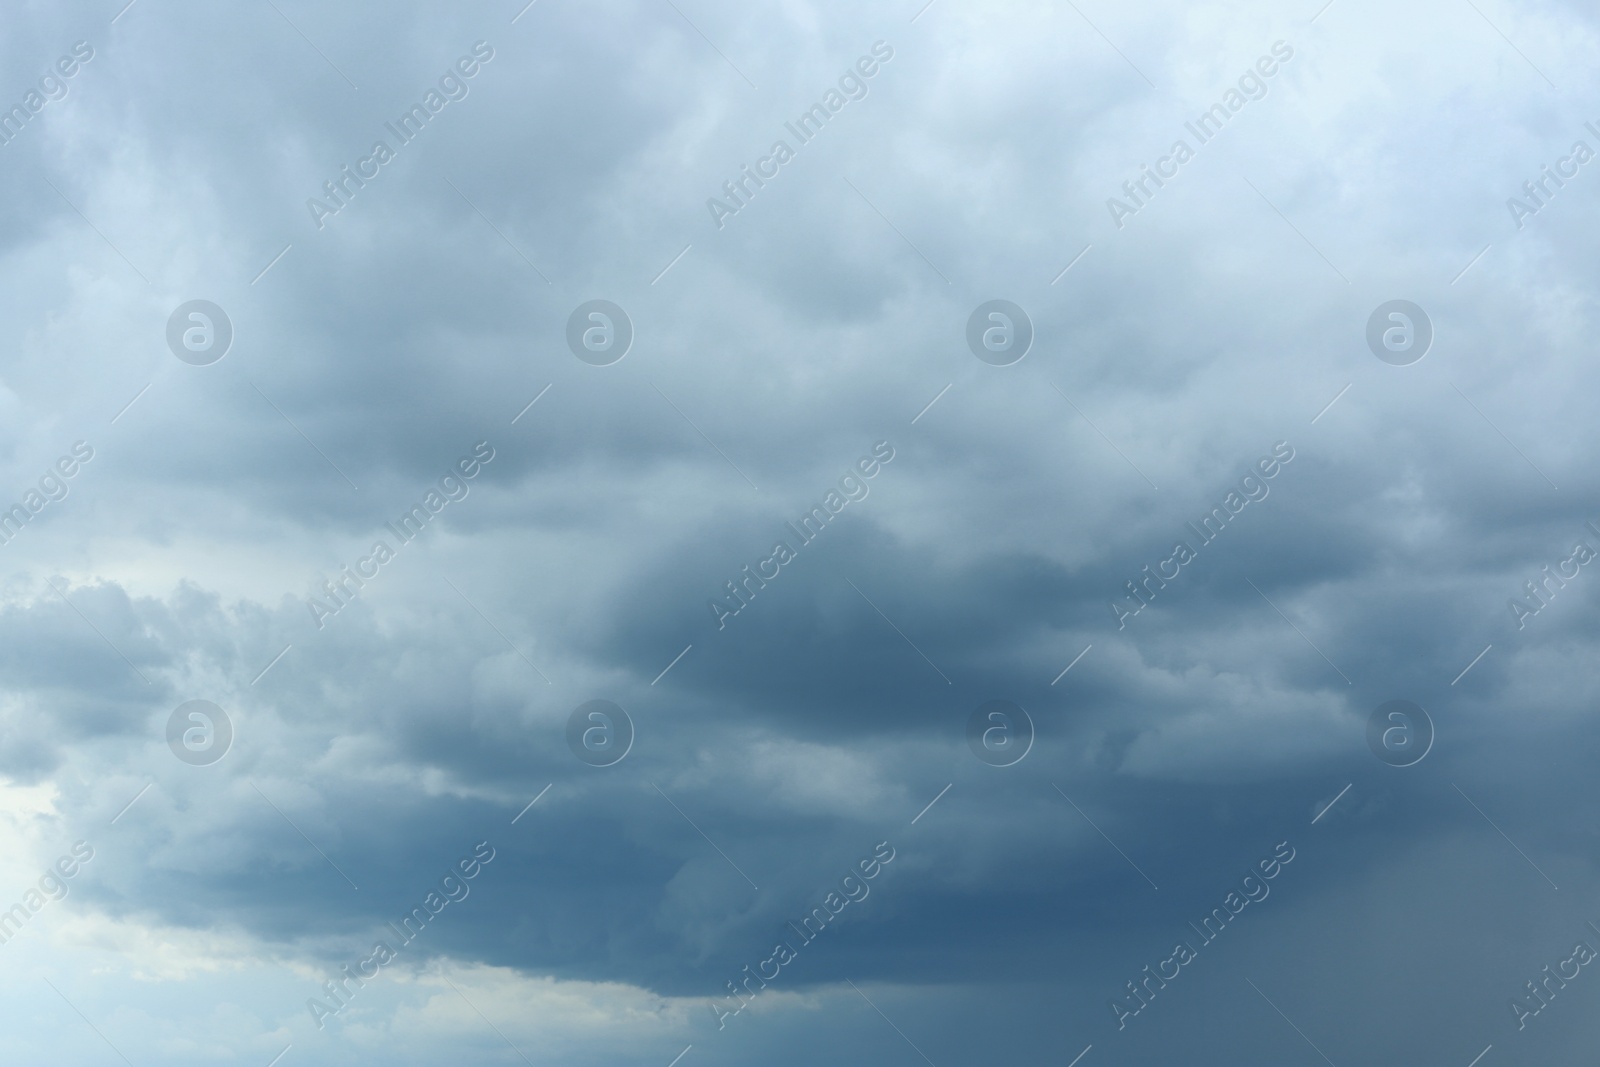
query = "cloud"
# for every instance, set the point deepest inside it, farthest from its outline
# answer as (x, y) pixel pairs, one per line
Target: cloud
(372, 746)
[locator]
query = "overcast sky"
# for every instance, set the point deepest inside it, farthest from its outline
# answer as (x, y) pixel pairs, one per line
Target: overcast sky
(799, 379)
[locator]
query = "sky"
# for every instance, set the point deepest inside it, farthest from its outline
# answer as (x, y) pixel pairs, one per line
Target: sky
(509, 510)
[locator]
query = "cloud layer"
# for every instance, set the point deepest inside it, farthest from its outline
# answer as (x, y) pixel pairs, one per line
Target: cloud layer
(400, 314)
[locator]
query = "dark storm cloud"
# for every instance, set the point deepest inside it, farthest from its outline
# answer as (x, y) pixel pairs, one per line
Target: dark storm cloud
(428, 710)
